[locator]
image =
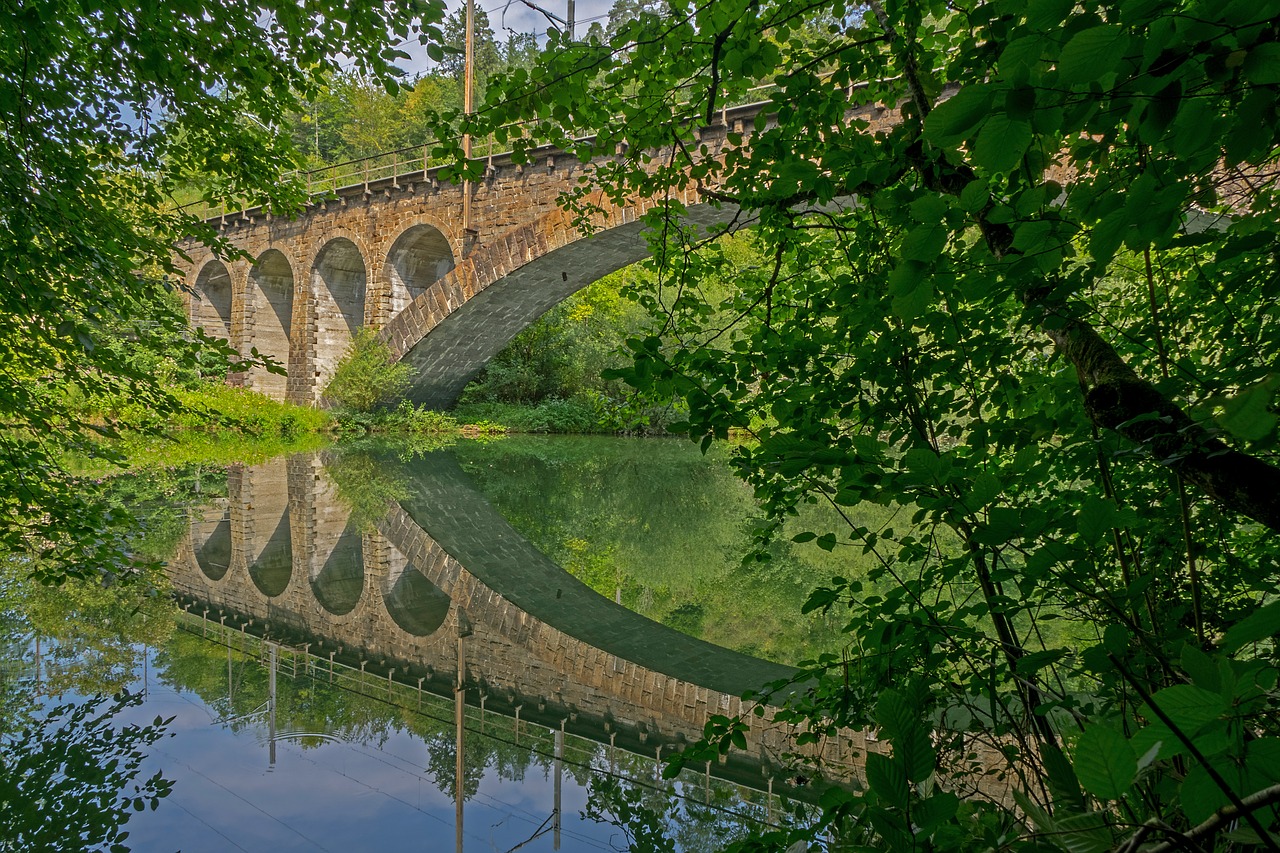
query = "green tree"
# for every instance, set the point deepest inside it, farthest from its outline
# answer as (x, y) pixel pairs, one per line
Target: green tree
(367, 377)
(623, 12)
(108, 110)
(1030, 307)
(488, 58)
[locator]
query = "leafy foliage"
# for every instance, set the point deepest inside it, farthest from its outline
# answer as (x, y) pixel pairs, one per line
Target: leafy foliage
(1020, 291)
(367, 377)
(107, 111)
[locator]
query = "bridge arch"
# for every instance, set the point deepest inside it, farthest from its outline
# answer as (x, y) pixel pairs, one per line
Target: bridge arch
(339, 284)
(212, 544)
(420, 255)
(269, 318)
(211, 299)
(461, 321)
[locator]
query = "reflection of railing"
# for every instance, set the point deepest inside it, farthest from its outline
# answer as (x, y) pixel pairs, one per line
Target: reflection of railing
(417, 160)
(538, 738)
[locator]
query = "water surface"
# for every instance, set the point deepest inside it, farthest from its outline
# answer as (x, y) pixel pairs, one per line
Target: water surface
(593, 591)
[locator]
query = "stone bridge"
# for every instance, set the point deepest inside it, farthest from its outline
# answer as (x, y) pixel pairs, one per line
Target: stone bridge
(392, 254)
(283, 557)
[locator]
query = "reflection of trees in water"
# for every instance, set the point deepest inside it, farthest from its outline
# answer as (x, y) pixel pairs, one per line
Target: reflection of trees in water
(71, 775)
(658, 525)
(70, 772)
(669, 816)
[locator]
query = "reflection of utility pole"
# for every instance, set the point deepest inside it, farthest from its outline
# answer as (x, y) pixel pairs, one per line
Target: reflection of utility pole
(559, 776)
(459, 703)
(271, 705)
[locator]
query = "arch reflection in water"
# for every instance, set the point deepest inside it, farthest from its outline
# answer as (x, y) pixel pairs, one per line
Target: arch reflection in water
(273, 566)
(211, 541)
(416, 604)
(541, 646)
(340, 580)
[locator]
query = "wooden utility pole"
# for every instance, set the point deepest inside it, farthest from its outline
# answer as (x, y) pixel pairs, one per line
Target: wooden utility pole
(468, 107)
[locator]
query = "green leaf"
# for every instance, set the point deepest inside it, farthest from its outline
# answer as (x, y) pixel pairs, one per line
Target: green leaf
(986, 488)
(936, 811)
(1105, 762)
(1036, 661)
(1159, 737)
(1001, 143)
(1203, 669)
(912, 291)
(1189, 707)
(1200, 796)
(975, 195)
(1248, 414)
(1040, 818)
(886, 778)
(1261, 624)
(1092, 53)
(1063, 784)
(1097, 517)
(1262, 67)
(924, 242)
(1085, 833)
(953, 119)
(1048, 14)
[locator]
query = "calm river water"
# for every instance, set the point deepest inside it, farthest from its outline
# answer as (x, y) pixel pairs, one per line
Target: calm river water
(335, 624)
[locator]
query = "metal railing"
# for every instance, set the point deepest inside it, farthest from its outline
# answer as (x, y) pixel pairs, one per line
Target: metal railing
(296, 661)
(417, 160)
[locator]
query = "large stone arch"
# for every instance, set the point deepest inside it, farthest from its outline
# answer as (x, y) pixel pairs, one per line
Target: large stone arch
(269, 319)
(211, 299)
(339, 284)
(452, 329)
(420, 255)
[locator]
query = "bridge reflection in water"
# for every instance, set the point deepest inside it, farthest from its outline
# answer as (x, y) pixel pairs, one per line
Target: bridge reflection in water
(438, 591)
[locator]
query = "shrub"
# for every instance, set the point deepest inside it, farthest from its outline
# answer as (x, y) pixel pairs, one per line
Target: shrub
(367, 377)
(559, 416)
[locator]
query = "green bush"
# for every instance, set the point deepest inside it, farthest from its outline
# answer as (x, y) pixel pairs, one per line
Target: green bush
(367, 377)
(405, 419)
(559, 416)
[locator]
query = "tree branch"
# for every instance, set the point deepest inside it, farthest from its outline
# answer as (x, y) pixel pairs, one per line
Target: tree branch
(1120, 400)
(1225, 815)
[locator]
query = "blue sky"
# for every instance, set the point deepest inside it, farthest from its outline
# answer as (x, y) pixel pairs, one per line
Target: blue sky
(513, 16)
